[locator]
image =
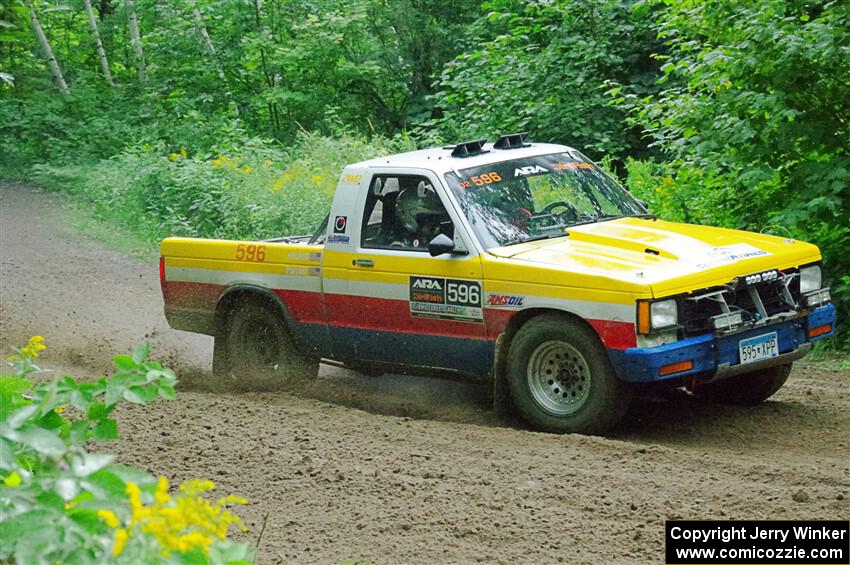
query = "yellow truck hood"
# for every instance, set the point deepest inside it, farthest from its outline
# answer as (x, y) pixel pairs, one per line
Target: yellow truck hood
(668, 257)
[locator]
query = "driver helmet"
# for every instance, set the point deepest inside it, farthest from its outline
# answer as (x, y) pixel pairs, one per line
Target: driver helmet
(419, 206)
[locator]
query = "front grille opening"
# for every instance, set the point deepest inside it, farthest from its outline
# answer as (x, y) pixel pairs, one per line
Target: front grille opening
(697, 309)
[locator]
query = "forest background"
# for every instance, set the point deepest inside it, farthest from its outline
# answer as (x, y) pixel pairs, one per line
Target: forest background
(233, 118)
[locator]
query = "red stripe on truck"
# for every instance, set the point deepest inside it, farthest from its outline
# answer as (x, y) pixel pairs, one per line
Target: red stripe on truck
(614, 334)
(383, 314)
(379, 314)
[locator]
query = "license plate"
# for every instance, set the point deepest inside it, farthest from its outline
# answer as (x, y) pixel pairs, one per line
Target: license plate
(758, 348)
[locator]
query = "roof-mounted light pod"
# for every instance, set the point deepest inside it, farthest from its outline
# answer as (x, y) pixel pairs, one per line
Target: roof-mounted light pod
(512, 141)
(469, 148)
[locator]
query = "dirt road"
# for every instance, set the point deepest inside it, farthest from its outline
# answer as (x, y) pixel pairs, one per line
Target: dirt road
(402, 470)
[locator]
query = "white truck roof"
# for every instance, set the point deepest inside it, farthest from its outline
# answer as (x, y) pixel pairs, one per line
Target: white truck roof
(440, 159)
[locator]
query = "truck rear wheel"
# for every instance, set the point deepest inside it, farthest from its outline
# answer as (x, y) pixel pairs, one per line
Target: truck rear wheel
(561, 380)
(746, 390)
(254, 340)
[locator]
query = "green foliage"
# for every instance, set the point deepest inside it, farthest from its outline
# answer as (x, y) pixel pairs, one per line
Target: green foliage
(60, 502)
(755, 118)
(544, 67)
(239, 189)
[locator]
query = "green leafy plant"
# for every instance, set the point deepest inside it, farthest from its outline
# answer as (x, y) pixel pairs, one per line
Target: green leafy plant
(60, 502)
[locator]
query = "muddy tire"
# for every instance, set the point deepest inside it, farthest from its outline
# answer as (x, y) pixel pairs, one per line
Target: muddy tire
(254, 340)
(561, 380)
(745, 390)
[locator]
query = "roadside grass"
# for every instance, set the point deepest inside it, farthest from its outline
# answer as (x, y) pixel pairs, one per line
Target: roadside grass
(111, 232)
(251, 189)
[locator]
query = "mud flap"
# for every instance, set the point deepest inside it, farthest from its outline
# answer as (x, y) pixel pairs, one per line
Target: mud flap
(502, 403)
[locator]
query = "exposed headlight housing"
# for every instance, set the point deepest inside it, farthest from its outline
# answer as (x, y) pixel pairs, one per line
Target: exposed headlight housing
(818, 297)
(663, 314)
(810, 279)
(728, 320)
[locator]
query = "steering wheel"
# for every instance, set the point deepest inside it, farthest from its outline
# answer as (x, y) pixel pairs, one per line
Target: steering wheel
(560, 204)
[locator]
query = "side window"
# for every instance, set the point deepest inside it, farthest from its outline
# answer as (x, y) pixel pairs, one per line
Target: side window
(403, 212)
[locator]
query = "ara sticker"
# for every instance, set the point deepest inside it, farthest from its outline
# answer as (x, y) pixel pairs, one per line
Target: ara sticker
(446, 299)
(340, 223)
(530, 170)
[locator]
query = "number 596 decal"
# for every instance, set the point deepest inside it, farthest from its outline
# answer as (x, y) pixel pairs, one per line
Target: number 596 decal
(250, 252)
(448, 299)
(463, 293)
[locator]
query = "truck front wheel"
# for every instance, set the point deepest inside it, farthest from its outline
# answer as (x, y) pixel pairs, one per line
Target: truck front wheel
(561, 379)
(254, 340)
(748, 389)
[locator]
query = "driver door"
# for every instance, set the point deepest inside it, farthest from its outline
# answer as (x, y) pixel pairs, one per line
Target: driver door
(415, 309)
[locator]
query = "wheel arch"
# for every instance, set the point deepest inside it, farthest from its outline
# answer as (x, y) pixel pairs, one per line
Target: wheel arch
(520, 318)
(231, 297)
(503, 346)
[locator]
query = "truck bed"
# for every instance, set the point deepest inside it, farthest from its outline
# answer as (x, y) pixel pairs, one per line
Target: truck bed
(196, 273)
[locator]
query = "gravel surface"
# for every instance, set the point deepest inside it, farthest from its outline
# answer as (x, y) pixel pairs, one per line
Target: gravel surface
(399, 469)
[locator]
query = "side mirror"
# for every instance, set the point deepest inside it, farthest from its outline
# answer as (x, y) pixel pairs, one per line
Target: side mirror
(440, 245)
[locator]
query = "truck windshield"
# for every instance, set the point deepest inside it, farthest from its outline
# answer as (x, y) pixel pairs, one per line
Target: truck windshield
(538, 197)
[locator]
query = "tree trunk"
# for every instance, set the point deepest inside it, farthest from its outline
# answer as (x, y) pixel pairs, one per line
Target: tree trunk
(58, 79)
(199, 21)
(136, 40)
(101, 54)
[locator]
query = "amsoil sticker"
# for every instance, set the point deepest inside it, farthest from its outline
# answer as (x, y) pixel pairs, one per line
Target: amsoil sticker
(505, 301)
(447, 299)
(340, 223)
(729, 254)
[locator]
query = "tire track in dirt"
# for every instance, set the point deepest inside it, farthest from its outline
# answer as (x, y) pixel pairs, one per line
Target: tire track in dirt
(397, 469)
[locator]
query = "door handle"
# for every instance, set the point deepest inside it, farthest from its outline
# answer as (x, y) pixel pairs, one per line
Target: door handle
(363, 263)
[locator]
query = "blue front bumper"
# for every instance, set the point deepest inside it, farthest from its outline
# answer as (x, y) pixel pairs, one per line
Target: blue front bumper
(711, 352)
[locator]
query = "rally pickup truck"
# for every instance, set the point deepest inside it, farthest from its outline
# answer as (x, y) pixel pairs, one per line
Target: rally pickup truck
(520, 263)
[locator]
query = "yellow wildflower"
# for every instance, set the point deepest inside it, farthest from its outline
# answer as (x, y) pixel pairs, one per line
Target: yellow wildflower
(13, 480)
(161, 494)
(140, 512)
(33, 347)
(195, 487)
(185, 521)
(246, 169)
(183, 152)
(173, 156)
(109, 517)
(121, 537)
(231, 499)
